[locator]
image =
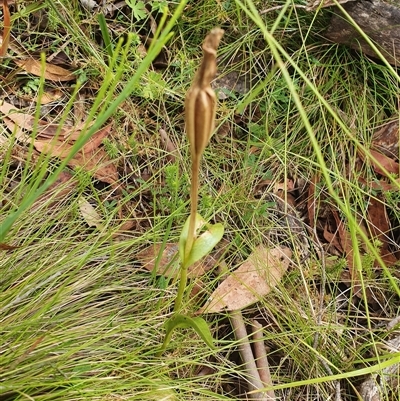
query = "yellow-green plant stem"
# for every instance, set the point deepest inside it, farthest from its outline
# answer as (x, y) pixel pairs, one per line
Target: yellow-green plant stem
(194, 193)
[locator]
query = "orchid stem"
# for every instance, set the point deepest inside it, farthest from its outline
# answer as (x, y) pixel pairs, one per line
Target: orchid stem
(194, 193)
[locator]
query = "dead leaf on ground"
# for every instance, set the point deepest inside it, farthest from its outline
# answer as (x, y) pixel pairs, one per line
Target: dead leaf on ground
(96, 161)
(347, 246)
(345, 242)
(49, 96)
(277, 187)
(381, 162)
(169, 262)
(27, 122)
(386, 139)
(51, 72)
(64, 185)
(90, 157)
(378, 223)
(381, 185)
(16, 131)
(332, 238)
(95, 141)
(90, 214)
(254, 279)
(123, 228)
(99, 164)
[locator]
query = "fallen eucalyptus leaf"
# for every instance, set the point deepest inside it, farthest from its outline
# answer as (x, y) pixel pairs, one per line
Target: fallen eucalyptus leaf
(51, 72)
(254, 279)
(89, 214)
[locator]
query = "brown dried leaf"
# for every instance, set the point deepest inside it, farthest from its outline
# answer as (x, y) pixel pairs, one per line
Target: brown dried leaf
(311, 201)
(378, 223)
(63, 186)
(96, 139)
(90, 157)
(386, 140)
(255, 278)
(16, 131)
(97, 162)
(380, 162)
(27, 122)
(51, 72)
(380, 185)
(346, 243)
(53, 147)
(126, 226)
(344, 235)
(276, 187)
(47, 130)
(49, 96)
(332, 238)
(169, 262)
(90, 214)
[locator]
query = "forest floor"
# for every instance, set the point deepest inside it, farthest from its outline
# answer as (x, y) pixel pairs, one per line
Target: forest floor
(95, 190)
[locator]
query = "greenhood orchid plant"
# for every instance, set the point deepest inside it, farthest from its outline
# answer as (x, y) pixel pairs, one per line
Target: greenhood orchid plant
(200, 108)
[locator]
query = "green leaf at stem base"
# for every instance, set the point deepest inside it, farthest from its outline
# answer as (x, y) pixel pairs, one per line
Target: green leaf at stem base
(197, 323)
(203, 244)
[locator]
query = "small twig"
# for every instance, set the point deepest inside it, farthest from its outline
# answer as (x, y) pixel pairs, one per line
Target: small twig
(261, 358)
(246, 354)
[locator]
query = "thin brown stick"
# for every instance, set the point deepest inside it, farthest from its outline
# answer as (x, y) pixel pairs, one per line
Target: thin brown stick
(261, 358)
(246, 354)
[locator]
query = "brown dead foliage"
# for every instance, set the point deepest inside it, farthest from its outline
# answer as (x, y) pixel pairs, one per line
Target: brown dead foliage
(59, 141)
(50, 71)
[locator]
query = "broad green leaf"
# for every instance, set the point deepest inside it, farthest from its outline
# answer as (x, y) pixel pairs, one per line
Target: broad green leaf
(138, 9)
(204, 244)
(197, 323)
(200, 222)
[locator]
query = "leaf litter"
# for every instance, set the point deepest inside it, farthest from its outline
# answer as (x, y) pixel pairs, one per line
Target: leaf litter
(50, 71)
(58, 142)
(253, 279)
(384, 151)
